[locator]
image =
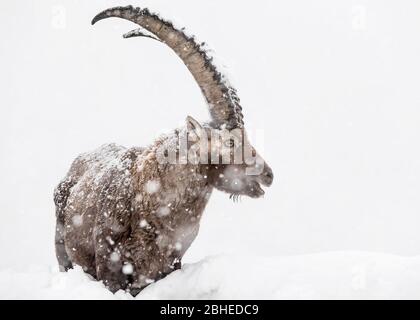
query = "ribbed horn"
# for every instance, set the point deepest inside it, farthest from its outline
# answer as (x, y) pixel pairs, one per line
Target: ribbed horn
(221, 97)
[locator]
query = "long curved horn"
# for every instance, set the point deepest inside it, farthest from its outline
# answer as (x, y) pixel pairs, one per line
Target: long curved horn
(221, 98)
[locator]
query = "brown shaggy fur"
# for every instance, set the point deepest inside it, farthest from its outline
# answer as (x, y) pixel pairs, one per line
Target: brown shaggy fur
(121, 207)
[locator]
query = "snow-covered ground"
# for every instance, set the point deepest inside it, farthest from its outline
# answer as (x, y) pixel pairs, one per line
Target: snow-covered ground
(333, 275)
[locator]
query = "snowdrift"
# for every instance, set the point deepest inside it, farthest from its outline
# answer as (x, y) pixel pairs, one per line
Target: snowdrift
(333, 275)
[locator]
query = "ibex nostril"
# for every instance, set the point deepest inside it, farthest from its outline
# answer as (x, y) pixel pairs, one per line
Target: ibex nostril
(268, 177)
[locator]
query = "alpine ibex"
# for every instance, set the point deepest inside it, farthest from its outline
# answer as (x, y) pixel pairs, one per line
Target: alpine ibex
(127, 216)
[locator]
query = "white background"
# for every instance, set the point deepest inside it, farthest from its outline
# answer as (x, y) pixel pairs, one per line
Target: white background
(334, 85)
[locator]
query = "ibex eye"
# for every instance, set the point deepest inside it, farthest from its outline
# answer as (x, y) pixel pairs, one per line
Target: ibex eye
(229, 143)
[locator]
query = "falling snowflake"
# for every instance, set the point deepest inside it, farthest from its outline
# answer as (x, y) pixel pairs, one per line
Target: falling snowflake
(127, 269)
(110, 241)
(236, 184)
(152, 186)
(139, 197)
(143, 223)
(163, 211)
(115, 256)
(77, 220)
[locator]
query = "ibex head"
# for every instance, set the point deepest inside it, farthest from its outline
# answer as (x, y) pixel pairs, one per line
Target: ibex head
(233, 165)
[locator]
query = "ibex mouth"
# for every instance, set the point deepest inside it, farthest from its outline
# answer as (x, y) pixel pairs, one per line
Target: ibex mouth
(255, 190)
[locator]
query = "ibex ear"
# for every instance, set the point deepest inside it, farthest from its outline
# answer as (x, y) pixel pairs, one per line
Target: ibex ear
(194, 128)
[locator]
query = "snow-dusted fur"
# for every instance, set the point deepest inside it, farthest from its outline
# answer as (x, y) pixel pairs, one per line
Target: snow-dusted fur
(125, 218)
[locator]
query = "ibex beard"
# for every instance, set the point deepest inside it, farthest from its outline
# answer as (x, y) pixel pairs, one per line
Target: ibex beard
(127, 216)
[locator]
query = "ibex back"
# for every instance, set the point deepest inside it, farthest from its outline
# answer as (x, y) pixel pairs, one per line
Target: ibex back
(127, 216)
